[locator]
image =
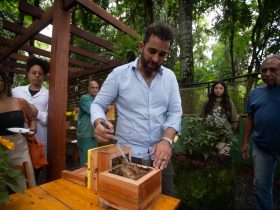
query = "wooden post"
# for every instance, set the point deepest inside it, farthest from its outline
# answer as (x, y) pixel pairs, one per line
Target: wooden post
(58, 90)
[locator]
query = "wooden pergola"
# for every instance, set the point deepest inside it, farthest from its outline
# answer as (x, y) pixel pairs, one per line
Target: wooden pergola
(61, 66)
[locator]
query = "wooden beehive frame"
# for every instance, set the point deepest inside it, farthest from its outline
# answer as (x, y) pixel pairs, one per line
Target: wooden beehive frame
(101, 159)
(124, 193)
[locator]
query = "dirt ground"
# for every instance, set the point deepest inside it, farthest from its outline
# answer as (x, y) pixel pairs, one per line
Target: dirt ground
(245, 197)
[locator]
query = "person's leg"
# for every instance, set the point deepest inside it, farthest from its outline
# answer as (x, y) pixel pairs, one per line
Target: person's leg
(264, 166)
(84, 144)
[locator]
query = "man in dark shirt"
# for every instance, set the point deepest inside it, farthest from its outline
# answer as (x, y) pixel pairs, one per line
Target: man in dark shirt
(262, 124)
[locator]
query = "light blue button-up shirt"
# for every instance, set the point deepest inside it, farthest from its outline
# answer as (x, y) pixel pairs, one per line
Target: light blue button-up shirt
(143, 112)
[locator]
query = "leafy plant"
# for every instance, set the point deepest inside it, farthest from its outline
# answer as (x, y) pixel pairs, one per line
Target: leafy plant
(126, 48)
(72, 118)
(200, 136)
(8, 174)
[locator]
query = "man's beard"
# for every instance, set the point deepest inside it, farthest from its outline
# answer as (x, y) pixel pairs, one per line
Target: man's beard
(146, 67)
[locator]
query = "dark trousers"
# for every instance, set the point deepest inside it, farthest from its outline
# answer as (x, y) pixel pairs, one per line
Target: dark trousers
(167, 175)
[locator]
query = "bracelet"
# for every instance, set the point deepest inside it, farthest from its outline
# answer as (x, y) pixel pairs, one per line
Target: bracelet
(169, 140)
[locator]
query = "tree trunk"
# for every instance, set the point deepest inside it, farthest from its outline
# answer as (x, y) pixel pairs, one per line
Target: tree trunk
(186, 42)
(149, 18)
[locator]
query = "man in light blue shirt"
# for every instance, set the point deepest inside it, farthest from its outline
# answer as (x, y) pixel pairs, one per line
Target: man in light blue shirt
(148, 102)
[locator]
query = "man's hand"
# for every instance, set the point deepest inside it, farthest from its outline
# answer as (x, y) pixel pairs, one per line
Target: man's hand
(244, 150)
(162, 152)
(104, 135)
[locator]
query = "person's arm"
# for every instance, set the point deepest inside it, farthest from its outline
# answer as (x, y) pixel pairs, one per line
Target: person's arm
(29, 116)
(103, 99)
(42, 115)
(249, 126)
(163, 150)
(85, 103)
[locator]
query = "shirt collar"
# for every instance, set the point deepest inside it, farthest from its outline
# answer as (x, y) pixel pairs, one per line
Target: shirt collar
(134, 65)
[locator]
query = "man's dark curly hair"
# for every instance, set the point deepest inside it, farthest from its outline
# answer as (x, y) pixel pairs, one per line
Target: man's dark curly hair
(226, 105)
(40, 62)
(7, 87)
(161, 30)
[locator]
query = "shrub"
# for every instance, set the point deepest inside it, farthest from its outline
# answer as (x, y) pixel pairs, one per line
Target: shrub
(200, 136)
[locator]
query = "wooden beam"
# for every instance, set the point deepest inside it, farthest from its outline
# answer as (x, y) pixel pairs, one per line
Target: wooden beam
(92, 38)
(92, 7)
(13, 27)
(17, 56)
(80, 63)
(43, 38)
(10, 69)
(88, 54)
(28, 8)
(36, 50)
(6, 42)
(34, 28)
(68, 4)
(13, 64)
(98, 68)
(58, 91)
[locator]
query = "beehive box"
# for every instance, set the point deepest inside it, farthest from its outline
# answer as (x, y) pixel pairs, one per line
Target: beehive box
(78, 176)
(124, 193)
(102, 159)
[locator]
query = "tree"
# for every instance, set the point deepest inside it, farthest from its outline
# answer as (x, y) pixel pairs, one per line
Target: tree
(186, 42)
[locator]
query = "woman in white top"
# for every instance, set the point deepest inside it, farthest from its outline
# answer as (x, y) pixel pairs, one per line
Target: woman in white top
(37, 95)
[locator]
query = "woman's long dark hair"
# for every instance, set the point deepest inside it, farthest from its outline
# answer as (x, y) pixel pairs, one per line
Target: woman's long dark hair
(225, 102)
(7, 88)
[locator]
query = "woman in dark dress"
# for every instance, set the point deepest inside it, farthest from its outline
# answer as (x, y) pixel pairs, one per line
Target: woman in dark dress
(12, 116)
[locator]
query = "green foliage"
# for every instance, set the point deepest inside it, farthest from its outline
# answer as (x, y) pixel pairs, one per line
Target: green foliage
(8, 174)
(126, 48)
(200, 136)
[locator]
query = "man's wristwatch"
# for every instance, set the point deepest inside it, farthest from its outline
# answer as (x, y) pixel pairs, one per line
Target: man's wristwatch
(170, 141)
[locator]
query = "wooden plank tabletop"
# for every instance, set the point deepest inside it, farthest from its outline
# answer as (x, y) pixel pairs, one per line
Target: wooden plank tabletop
(62, 194)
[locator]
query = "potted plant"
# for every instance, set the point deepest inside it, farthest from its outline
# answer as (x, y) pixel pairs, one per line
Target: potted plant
(204, 173)
(8, 174)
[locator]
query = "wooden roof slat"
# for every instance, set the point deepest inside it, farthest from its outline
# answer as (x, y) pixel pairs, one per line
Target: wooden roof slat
(92, 38)
(91, 6)
(28, 8)
(68, 4)
(13, 63)
(17, 56)
(88, 54)
(80, 63)
(78, 32)
(36, 50)
(13, 27)
(43, 38)
(34, 28)
(10, 69)
(98, 68)
(6, 42)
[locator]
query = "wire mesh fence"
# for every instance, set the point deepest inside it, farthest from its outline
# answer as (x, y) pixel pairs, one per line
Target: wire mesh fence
(193, 96)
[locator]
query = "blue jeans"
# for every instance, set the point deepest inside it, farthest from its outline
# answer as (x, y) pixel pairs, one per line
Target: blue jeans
(264, 167)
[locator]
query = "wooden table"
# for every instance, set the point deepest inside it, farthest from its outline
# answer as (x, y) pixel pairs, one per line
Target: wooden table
(62, 194)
